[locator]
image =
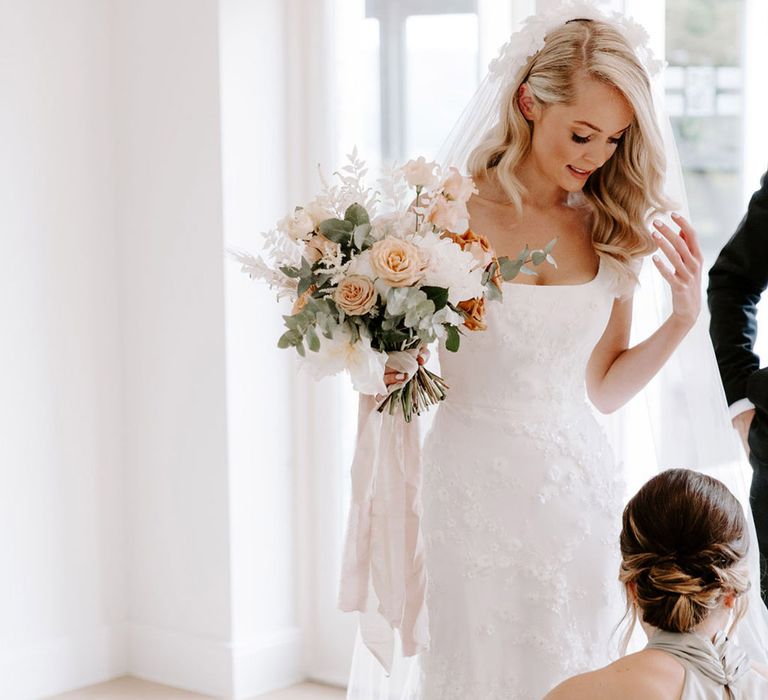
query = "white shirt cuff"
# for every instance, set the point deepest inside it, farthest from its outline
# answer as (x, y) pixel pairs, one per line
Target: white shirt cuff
(738, 407)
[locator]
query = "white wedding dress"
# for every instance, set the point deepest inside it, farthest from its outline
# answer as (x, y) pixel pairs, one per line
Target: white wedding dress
(522, 502)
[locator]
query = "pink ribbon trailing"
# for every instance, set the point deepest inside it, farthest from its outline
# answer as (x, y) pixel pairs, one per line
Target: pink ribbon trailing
(383, 570)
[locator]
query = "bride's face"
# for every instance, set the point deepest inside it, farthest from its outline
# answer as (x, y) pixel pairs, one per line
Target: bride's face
(571, 141)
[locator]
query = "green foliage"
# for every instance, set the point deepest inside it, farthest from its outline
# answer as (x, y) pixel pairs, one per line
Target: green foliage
(313, 342)
(361, 236)
(512, 268)
(492, 292)
(452, 338)
(356, 215)
(438, 295)
(509, 268)
(337, 230)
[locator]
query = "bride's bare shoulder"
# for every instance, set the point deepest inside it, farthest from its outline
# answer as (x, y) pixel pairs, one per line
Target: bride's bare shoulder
(646, 675)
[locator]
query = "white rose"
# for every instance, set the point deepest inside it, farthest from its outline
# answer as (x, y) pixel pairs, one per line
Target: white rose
(419, 173)
(397, 223)
(297, 226)
(451, 267)
(361, 265)
(318, 212)
(364, 364)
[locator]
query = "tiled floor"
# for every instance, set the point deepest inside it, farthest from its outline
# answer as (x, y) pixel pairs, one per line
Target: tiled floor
(128, 688)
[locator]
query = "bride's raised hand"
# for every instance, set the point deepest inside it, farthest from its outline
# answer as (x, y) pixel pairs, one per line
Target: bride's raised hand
(684, 254)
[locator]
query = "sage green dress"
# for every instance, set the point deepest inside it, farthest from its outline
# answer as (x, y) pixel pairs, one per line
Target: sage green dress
(714, 670)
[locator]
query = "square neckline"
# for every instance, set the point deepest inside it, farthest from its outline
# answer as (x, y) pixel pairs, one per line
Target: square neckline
(561, 286)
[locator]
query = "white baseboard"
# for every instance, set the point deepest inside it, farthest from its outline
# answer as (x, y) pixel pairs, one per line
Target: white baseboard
(213, 667)
(62, 664)
(198, 664)
(268, 664)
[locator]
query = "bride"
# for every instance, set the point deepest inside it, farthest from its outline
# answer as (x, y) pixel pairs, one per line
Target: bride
(521, 493)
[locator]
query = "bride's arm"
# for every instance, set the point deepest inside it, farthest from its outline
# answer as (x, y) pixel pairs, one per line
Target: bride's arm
(616, 372)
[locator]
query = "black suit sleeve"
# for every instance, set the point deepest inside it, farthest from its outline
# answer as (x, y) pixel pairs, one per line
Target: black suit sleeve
(736, 281)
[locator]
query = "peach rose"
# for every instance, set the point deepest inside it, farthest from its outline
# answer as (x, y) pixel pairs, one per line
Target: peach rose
(301, 301)
(475, 310)
(355, 295)
(397, 262)
(320, 247)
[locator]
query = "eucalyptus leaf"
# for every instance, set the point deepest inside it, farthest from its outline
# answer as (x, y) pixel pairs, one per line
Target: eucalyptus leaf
(336, 230)
(286, 340)
(509, 269)
(360, 234)
(300, 349)
(292, 322)
(304, 284)
(356, 215)
(426, 335)
(313, 342)
(419, 311)
(289, 271)
(527, 271)
(394, 338)
(538, 257)
(438, 296)
(492, 292)
(452, 338)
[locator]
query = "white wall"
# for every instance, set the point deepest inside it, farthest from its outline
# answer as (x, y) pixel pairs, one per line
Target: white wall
(156, 513)
(169, 213)
(62, 530)
(265, 621)
(142, 529)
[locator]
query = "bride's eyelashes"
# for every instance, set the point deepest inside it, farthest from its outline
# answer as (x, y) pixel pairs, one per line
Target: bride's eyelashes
(585, 139)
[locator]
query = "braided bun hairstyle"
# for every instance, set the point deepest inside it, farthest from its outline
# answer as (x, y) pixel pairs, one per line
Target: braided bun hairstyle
(683, 547)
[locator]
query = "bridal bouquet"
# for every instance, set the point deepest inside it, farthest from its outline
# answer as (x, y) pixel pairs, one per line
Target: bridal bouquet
(374, 275)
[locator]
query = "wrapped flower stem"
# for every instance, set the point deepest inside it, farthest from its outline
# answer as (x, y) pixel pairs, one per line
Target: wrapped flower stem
(416, 395)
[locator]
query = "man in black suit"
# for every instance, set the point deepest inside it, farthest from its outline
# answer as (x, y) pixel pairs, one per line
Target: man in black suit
(736, 282)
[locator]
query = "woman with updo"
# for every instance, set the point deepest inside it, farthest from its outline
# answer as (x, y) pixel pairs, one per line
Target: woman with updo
(683, 547)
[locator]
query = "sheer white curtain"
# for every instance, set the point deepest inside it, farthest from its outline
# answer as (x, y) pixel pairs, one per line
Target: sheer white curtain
(437, 51)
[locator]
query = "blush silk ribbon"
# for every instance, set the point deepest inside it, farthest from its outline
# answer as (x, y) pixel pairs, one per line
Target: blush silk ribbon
(383, 574)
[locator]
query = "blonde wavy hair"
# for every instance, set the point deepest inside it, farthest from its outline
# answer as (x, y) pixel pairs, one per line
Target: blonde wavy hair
(626, 192)
(683, 548)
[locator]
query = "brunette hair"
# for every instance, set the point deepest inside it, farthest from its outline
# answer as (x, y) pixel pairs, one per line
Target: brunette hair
(683, 547)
